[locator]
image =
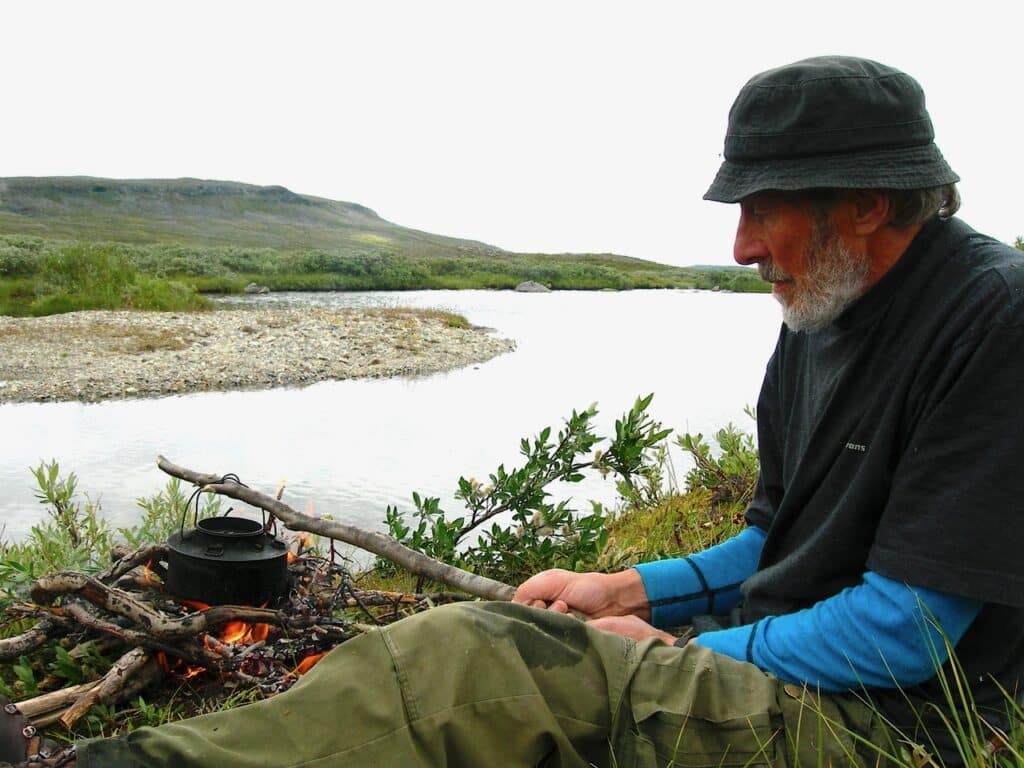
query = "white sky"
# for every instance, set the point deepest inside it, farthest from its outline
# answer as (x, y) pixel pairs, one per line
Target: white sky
(535, 126)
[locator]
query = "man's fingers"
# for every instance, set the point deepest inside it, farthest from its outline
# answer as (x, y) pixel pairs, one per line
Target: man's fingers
(559, 606)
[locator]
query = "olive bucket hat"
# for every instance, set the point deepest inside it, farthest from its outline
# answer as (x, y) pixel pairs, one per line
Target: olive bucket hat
(829, 122)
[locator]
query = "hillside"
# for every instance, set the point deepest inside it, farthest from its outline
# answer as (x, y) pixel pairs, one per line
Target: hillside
(198, 212)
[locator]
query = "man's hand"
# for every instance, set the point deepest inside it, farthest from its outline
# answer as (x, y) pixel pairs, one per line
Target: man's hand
(631, 626)
(592, 594)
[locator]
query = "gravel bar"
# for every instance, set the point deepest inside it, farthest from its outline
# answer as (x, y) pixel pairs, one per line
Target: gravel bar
(101, 355)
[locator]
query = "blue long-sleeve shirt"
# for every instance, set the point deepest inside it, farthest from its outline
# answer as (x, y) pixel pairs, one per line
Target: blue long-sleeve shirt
(880, 633)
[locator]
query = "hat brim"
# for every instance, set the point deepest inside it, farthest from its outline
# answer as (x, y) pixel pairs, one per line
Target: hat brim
(900, 168)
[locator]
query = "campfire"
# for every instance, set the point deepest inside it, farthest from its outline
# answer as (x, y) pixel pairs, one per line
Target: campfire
(164, 609)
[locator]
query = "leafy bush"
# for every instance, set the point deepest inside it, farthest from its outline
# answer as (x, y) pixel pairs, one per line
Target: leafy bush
(17, 262)
(729, 476)
(73, 537)
(537, 534)
(76, 276)
(76, 537)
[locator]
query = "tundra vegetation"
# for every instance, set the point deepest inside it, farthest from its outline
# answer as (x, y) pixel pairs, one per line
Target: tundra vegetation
(42, 277)
(509, 527)
(82, 243)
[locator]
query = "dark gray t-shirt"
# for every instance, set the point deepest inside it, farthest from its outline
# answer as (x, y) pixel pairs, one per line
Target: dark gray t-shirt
(893, 441)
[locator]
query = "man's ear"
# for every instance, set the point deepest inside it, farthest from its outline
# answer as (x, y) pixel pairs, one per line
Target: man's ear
(871, 210)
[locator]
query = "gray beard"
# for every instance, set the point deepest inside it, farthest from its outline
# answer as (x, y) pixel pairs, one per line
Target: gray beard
(834, 280)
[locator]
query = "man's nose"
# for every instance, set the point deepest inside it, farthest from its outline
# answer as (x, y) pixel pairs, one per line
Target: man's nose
(748, 247)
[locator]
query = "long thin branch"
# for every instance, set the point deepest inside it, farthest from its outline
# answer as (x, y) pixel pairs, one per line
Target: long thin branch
(378, 543)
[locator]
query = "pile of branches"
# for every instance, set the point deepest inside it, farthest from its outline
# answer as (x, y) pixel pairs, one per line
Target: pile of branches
(125, 611)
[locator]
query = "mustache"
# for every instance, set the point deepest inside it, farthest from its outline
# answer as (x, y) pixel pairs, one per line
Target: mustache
(771, 273)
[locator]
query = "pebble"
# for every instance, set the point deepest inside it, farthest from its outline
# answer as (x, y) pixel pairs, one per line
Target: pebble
(105, 355)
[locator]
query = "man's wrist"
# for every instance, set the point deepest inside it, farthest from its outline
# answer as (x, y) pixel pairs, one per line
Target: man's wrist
(630, 594)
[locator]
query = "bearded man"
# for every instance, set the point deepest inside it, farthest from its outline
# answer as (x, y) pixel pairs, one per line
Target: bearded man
(880, 537)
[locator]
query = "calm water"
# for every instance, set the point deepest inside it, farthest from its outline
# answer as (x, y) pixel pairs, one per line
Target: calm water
(350, 448)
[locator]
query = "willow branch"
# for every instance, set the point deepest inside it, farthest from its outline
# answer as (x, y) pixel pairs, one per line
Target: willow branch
(515, 501)
(377, 543)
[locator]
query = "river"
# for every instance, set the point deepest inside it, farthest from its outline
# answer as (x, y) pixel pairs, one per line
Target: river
(350, 448)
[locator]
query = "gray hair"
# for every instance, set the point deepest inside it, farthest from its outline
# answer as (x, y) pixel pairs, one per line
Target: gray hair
(909, 206)
(916, 206)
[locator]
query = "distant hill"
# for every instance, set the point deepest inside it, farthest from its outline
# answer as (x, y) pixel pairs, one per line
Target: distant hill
(217, 213)
(200, 212)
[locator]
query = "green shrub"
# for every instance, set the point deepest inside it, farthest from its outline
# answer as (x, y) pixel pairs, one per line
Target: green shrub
(728, 475)
(535, 534)
(151, 293)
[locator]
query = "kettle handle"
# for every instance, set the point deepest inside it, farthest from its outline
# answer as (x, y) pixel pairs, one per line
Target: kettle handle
(230, 477)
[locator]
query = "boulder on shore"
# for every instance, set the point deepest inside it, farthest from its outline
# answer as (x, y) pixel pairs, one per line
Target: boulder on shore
(531, 286)
(254, 288)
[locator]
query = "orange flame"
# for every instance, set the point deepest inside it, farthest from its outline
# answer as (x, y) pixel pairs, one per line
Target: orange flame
(147, 573)
(308, 663)
(171, 667)
(240, 633)
(301, 541)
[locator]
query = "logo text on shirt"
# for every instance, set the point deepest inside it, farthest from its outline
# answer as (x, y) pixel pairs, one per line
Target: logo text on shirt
(859, 447)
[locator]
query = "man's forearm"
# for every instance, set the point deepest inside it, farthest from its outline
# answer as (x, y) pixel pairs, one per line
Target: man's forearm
(706, 582)
(879, 634)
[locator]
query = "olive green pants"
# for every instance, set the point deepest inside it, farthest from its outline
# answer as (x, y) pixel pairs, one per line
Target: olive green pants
(496, 684)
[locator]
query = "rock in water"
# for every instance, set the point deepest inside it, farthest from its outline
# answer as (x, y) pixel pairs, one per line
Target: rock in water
(532, 287)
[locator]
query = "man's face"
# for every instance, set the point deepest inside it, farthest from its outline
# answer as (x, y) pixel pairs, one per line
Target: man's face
(814, 275)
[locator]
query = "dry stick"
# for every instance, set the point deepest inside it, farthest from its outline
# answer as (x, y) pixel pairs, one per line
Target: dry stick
(48, 702)
(199, 656)
(48, 588)
(138, 683)
(379, 544)
(375, 597)
(132, 560)
(110, 684)
(29, 640)
(13, 647)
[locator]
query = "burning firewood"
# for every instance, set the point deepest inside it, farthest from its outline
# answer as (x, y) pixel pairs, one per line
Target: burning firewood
(160, 633)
